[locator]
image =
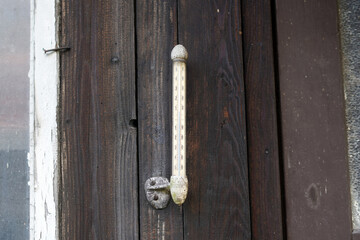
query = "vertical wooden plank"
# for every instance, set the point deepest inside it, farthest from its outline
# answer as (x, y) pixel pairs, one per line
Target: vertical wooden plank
(99, 183)
(262, 132)
(313, 121)
(349, 12)
(217, 206)
(156, 36)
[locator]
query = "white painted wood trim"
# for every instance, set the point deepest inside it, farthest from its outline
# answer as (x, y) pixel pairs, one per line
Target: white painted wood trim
(44, 92)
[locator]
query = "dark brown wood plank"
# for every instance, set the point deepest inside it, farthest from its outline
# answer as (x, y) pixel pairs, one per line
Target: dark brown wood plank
(356, 236)
(262, 132)
(98, 150)
(217, 206)
(313, 121)
(156, 36)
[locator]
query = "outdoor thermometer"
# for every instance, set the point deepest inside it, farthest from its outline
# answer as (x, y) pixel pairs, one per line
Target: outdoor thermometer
(157, 188)
(178, 180)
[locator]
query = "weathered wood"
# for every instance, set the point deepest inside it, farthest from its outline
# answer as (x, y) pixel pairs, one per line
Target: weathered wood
(217, 206)
(349, 12)
(313, 122)
(43, 158)
(262, 132)
(156, 23)
(99, 181)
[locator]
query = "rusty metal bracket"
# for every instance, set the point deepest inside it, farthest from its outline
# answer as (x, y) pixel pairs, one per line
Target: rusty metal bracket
(157, 190)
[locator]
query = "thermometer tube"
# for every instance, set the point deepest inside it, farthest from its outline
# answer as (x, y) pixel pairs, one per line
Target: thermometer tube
(178, 180)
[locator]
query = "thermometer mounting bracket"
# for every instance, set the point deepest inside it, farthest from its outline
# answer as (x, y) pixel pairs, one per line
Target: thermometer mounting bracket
(157, 190)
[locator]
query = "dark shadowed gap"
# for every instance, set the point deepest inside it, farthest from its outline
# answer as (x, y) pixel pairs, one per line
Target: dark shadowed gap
(246, 110)
(278, 111)
(137, 114)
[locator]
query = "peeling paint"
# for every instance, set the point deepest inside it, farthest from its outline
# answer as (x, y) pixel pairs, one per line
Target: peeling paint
(43, 128)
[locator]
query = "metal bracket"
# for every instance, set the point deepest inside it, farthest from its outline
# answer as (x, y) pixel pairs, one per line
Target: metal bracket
(157, 190)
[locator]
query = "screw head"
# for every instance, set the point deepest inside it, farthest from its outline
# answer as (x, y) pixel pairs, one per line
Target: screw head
(115, 59)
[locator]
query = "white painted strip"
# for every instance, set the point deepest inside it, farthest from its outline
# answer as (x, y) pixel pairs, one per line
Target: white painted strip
(43, 127)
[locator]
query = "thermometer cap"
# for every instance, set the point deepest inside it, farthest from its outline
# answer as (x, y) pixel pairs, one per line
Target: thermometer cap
(179, 53)
(179, 188)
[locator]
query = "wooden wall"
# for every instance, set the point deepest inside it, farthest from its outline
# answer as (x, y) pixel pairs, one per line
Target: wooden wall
(266, 128)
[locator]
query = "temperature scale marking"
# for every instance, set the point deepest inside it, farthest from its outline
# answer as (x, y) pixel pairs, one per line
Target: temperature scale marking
(179, 129)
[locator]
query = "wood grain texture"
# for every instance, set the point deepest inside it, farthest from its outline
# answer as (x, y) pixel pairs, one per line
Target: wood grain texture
(99, 185)
(313, 121)
(262, 132)
(156, 36)
(217, 206)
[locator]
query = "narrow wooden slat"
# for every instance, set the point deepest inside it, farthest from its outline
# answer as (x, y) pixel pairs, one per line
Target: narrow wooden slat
(313, 121)
(156, 36)
(262, 132)
(217, 206)
(99, 185)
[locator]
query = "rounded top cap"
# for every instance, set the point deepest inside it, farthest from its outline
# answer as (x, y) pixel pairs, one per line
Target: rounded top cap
(179, 53)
